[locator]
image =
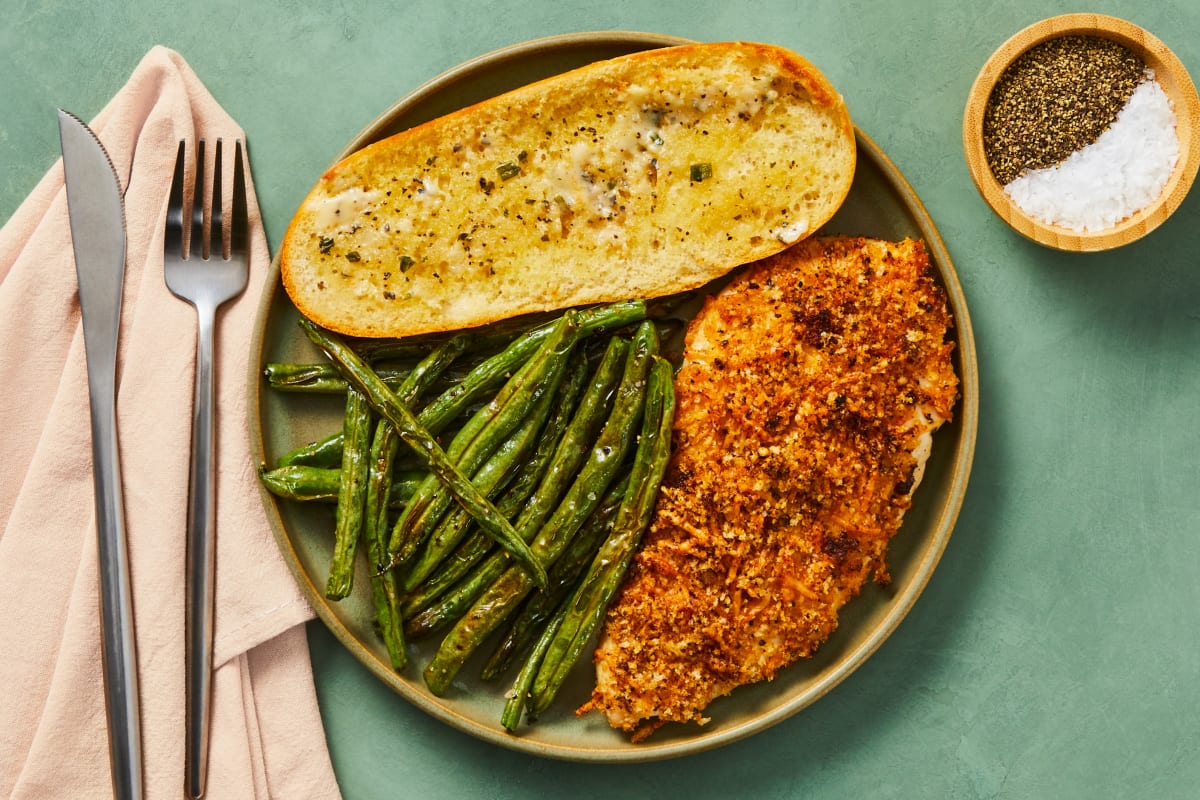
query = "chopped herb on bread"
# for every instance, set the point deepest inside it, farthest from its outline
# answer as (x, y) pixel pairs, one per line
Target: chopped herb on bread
(639, 176)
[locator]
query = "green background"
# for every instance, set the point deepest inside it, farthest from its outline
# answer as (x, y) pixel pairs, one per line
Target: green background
(1055, 652)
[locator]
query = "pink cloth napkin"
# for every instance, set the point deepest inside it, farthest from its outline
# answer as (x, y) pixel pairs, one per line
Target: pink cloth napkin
(267, 738)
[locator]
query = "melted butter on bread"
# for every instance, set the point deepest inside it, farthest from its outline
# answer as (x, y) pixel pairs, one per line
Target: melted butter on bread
(639, 176)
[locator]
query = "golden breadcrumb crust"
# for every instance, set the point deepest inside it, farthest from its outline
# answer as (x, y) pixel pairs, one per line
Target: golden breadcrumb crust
(809, 390)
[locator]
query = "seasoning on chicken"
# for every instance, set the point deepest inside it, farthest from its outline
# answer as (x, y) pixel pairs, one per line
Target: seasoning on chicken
(810, 388)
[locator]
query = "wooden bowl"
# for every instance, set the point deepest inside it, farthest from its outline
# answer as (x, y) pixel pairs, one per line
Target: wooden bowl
(1170, 74)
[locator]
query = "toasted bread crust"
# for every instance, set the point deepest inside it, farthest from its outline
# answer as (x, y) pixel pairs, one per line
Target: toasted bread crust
(635, 177)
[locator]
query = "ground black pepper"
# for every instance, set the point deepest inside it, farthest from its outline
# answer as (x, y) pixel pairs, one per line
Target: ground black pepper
(1055, 99)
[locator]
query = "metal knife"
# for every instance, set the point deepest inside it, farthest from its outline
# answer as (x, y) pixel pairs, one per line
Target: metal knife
(97, 212)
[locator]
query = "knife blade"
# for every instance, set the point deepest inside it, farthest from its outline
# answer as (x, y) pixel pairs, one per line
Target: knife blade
(97, 213)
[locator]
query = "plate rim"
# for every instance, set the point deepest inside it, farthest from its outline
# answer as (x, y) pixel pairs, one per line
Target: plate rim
(900, 604)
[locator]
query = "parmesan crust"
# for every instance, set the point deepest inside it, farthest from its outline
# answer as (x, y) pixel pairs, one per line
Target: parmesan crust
(809, 392)
(639, 176)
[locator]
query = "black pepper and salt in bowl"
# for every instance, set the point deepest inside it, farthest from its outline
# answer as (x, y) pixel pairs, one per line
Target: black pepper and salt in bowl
(1079, 132)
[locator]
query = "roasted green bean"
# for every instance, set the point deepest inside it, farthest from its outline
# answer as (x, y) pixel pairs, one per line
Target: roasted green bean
(469, 577)
(564, 575)
(588, 488)
(320, 484)
(416, 436)
(518, 697)
(356, 429)
(320, 378)
(484, 432)
(589, 602)
(385, 593)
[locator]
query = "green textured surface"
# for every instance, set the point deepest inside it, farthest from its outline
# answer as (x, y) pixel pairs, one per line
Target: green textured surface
(1056, 651)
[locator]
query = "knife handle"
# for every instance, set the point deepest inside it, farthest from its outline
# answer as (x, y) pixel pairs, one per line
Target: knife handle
(118, 651)
(201, 551)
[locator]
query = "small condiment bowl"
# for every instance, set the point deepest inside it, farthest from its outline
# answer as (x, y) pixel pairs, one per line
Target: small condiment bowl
(1170, 74)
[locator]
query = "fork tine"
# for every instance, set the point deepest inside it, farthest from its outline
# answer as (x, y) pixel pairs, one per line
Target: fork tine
(239, 227)
(216, 232)
(196, 241)
(174, 232)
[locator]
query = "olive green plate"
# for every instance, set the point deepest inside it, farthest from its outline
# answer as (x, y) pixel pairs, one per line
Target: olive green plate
(881, 203)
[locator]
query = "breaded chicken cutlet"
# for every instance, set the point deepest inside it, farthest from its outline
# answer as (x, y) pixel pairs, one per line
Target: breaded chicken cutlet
(810, 388)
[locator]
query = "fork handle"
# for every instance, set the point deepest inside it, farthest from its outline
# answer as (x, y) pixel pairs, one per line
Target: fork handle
(201, 549)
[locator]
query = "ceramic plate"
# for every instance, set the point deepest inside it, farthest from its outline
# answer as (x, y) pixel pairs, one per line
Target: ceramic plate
(880, 204)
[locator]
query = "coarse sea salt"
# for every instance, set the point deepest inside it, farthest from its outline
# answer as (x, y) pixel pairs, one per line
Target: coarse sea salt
(1116, 176)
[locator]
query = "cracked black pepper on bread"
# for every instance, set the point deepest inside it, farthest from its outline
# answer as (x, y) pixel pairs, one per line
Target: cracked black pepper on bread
(639, 176)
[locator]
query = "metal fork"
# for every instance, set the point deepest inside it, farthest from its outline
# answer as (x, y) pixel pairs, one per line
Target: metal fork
(206, 278)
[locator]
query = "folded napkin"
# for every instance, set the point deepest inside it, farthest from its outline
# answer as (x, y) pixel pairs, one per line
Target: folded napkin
(267, 738)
